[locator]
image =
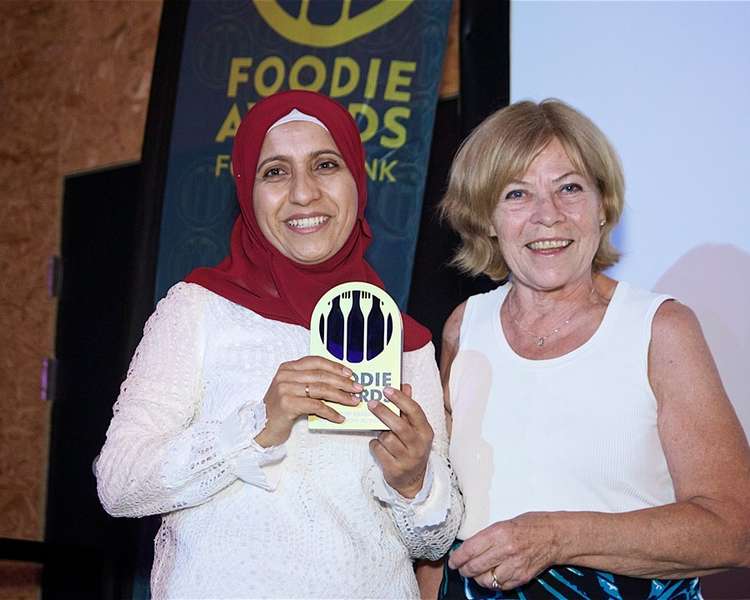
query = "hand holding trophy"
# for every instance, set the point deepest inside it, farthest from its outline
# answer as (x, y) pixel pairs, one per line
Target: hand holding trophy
(360, 325)
(297, 389)
(404, 450)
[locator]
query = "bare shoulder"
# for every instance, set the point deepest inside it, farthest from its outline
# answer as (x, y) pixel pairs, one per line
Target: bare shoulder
(677, 337)
(452, 328)
(686, 381)
(676, 318)
(451, 335)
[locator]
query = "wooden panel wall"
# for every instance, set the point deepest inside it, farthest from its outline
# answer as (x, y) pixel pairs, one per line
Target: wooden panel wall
(75, 83)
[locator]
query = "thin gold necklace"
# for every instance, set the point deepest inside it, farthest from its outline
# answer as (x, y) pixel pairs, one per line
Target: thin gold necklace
(541, 339)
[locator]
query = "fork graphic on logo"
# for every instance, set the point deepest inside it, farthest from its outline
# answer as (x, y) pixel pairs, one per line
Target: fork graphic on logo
(359, 325)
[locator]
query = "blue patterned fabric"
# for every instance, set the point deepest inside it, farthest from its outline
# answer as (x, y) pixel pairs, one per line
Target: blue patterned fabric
(573, 583)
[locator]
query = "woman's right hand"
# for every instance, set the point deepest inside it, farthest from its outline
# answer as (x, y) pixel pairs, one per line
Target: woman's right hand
(299, 388)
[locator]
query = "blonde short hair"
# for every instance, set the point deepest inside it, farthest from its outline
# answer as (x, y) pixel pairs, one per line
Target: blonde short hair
(500, 150)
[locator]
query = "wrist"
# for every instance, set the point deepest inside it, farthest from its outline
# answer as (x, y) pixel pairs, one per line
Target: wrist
(561, 542)
(267, 438)
(409, 488)
(410, 491)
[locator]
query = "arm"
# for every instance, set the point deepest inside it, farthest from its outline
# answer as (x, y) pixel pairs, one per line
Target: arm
(707, 528)
(709, 461)
(428, 522)
(429, 577)
(449, 349)
(158, 457)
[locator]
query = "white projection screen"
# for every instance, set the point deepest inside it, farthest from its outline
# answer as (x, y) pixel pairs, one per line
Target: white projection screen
(669, 83)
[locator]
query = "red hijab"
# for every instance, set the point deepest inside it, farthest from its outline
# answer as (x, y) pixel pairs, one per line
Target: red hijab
(255, 274)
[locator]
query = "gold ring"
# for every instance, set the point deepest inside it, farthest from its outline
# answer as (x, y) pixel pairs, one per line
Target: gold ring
(307, 390)
(495, 584)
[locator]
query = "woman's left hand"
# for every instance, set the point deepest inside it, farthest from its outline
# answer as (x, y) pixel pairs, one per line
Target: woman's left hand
(515, 550)
(403, 451)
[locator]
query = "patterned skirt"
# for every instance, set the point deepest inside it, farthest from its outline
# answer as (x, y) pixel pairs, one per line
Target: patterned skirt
(573, 583)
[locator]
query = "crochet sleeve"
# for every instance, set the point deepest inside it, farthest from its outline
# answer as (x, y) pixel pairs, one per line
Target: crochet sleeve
(160, 455)
(428, 523)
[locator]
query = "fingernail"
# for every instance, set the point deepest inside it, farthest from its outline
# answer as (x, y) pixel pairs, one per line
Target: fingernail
(372, 404)
(388, 391)
(347, 371)
(358, 387)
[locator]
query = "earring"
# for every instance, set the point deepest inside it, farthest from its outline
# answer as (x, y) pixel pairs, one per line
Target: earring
(602, 223)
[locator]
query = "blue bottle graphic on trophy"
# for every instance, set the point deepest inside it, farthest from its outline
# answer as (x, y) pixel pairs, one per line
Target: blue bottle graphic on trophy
(359, 325)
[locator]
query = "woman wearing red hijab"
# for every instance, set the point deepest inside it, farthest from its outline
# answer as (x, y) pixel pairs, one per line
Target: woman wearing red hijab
(210, 427)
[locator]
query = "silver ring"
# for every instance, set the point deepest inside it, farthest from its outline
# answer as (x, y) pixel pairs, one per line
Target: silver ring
(495, 584)
(307, 390)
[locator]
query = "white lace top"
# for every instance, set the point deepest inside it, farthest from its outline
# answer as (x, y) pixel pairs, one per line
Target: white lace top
(313, 518)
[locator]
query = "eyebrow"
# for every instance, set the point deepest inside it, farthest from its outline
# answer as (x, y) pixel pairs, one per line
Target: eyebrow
(568, 174)
(563, 176)
(315, 154)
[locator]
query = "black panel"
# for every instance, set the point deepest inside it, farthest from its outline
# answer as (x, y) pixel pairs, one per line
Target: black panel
(89, 554)
(437, 289)
(485, 60)
(155, 157)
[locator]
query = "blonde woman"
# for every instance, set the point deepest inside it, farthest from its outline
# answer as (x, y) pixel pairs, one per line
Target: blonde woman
(596, 448)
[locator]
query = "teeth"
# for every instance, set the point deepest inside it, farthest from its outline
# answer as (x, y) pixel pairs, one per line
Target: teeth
(306, 222)
(549, 244)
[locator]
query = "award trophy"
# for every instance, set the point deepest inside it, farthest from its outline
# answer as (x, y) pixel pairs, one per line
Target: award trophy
(359, 325)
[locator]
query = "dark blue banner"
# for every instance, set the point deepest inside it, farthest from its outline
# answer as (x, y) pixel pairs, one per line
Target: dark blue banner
(380, 59)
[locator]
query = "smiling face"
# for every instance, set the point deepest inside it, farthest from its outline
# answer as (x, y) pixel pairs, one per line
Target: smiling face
(304, 196)
(548, 222)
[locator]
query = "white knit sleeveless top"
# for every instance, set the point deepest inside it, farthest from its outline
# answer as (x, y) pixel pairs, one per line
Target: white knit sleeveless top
(572, 433)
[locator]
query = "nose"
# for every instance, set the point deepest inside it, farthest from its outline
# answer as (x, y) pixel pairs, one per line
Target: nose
(547, 210)
(304, 189)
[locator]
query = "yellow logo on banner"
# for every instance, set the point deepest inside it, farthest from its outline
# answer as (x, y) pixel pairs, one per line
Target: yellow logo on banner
(300, 30)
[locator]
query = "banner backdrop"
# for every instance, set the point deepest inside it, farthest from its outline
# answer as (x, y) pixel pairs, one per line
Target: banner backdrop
(380, 59)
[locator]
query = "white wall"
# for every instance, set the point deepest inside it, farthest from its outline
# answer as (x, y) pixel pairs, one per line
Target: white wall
(669, 83)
